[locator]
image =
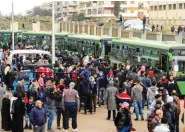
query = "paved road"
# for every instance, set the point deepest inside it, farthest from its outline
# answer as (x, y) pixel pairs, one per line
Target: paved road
(98, 123)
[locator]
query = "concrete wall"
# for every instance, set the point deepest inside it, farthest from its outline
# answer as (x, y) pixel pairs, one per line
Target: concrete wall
(119, 32)
(36, 27)
(15, 26)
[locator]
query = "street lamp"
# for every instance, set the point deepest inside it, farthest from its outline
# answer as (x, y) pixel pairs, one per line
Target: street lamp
(13, 44)
(53, 33)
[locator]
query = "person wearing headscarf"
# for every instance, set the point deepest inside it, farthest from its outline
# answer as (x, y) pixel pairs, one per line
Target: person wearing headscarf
(71, 105)
(18, 114)
(5, 113)
(110, 99)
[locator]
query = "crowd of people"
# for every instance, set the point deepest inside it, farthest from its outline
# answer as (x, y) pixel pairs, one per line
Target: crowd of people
(87, 85)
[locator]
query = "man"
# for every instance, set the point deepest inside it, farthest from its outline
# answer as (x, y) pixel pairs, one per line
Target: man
(122, 97)
(71, 105)
(127, 85)
(58, 103)
(101, 84)
(110, 99)
(137, 97)
(20, 87)
(157, 120)
(61, 84)
(146, 81)
(32, 91)
(170, 112)
(50, 103)
(38, 117)
(151, 92)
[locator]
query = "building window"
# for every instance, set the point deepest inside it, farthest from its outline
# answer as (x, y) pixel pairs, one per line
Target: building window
(124, 2)
(124, 10)
(174, 6)
(160, 7)
(164, 7)
(89, 11)
(155, 8)
(184, 5)
(180, 6)
(132, 2)
(94, 11)
(58, 3)
(169, 7)
(100, 10)
(151, 8)
(58, 9)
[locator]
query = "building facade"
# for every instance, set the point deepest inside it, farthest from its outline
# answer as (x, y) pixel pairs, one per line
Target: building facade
(167, 12)
(97, 9)
(105, 9)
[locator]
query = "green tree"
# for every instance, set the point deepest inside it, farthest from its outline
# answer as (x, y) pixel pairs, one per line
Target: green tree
(117, 8)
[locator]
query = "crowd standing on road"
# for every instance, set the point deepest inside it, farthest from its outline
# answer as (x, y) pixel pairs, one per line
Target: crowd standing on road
(89, 84)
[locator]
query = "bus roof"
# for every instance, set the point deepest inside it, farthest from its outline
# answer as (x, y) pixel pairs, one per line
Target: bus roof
(29, 52)
(37, 33)
(9, 31)
(166, 45)
(89, 37)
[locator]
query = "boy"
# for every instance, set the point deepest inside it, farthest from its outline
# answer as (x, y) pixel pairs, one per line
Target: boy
(29, 106)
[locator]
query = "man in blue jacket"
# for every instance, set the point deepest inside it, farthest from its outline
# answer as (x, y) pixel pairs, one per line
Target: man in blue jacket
(38, 117)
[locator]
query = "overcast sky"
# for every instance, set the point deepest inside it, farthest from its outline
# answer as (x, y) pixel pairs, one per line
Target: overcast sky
(20, 6)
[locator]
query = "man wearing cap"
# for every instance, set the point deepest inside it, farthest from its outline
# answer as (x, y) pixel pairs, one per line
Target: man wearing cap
(71, 104)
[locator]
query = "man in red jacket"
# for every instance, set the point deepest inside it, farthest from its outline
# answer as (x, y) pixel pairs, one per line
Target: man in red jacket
(122, 97)
(61, 84)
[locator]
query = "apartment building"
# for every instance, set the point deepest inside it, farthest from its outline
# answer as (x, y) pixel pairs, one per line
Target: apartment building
(105, 9)
(48, 6)
(63, 9)
(167, 12)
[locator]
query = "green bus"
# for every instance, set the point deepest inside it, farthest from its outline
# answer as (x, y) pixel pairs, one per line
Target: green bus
(6, 36)
(40, 38)
(158, 54)
(155, 53)
(87, 44)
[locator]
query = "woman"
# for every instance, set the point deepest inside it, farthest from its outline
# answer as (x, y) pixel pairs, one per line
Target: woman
(5, 113)
(18, 114)
(123, 120)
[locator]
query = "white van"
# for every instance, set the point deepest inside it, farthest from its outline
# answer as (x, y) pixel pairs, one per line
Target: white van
(26, 53)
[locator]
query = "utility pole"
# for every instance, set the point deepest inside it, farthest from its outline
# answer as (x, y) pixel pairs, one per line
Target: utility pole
(53, 33)
(13, 44)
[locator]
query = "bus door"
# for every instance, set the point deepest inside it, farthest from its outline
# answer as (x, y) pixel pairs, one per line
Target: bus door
(107, 47)
(163, 62)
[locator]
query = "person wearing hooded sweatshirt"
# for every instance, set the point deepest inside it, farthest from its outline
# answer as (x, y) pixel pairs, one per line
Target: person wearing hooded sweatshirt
(151, 92)
(163, 127)
(110, 99)
(71, 104)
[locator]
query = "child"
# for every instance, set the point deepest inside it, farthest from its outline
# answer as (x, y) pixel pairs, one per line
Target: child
(29, 106)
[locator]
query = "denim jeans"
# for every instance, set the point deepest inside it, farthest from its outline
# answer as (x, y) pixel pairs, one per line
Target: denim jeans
(27, 120)
(138, 106)
(50, 118)
(101, 93)
(148, 110)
